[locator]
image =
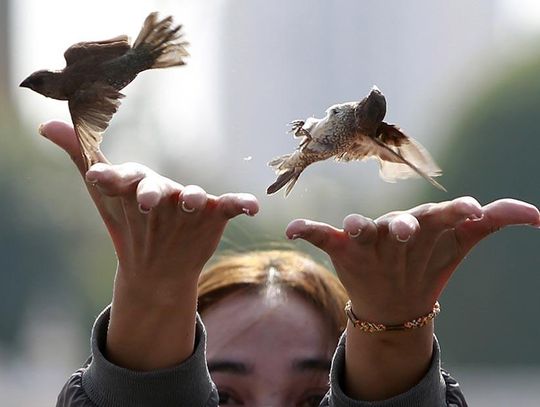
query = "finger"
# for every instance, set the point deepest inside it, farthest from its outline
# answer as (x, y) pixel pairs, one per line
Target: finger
(63, 135)
(321, 235)
(497, 215)
(193, 199)
(446, 215)
(117, 180)
(231, 205)
(396, 235)
(363, 230)
(435, 219)
(403, 227)
(154, 190)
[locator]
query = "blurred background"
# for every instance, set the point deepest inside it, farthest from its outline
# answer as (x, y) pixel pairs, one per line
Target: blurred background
(462, 77)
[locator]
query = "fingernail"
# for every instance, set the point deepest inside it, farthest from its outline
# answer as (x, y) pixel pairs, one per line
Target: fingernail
(186, 209)
(91, 179)
(144, 209)
(474, 217)
(401, 239)
(41, 130)
(295, 236)
(356, 234)
(247, 211)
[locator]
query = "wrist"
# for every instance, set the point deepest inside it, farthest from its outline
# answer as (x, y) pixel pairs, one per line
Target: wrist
(154, 317)
(153, 290)
(377, 327)
(392, 310)
(382, 365)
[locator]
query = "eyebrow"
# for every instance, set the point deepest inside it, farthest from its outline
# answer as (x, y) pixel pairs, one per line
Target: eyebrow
(229, 366)
(302, 365)
(240, 368)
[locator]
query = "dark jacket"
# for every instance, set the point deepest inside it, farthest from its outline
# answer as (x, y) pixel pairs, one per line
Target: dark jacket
(99, 383)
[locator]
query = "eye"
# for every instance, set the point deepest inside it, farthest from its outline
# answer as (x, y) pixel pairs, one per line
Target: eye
(312, 401)
(226, 399)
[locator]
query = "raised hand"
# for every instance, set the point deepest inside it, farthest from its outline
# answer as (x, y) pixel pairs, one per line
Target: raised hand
(163, 234)
(394, 269)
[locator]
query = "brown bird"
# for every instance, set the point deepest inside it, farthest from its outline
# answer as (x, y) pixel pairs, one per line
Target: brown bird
(96, 71)
(355, 131)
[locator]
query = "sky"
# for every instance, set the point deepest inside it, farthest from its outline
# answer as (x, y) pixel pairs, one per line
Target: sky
(197, 111)
(43, 34)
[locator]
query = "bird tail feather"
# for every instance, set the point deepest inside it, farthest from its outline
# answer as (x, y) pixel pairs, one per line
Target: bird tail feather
(288, 172)
(163, 41)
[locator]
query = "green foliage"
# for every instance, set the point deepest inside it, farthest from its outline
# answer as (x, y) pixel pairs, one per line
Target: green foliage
(47, 240)
(492, 300)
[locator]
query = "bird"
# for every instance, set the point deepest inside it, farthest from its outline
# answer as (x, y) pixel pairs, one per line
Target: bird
(354, 131)
(96, 71)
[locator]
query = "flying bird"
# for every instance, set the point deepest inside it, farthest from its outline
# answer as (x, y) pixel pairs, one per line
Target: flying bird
(96, 71)
(355, 131)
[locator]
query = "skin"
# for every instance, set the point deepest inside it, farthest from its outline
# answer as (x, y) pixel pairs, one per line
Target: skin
(393, 267)
(290, 372)
(154, 300)
(406, 260)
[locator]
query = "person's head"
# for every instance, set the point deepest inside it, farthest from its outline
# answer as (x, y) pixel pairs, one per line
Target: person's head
(273, 320)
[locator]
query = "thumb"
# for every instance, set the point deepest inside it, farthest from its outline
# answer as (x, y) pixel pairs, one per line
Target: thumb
(321, 235)
(63, 135)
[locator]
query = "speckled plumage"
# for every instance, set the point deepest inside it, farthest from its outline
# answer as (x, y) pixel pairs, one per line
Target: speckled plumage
(355, 131)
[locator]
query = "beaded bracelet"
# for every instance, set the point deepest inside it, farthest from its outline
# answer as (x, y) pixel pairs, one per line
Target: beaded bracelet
(371, 327)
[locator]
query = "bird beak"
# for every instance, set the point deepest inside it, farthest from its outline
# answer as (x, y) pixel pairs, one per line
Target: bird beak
(25, 83)
(375, 89)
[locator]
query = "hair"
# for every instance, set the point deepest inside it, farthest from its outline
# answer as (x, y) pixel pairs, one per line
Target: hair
(263, 272)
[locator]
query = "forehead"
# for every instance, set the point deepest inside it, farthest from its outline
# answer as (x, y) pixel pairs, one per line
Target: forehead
(249, 327)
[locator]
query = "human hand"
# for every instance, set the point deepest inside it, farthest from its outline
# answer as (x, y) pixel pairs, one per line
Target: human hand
(163, 234)
(394, 269)
(157, 225)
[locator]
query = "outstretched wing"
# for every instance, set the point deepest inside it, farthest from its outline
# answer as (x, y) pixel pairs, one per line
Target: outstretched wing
(399, 156)
(91, 111)
(408, 160)
(99, 50)
(404, 157)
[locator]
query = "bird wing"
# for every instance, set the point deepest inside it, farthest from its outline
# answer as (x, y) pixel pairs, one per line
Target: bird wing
(399, 156)
(407, 148)
(403, 157)
(91, 110)
(361, 150)
(100, 50)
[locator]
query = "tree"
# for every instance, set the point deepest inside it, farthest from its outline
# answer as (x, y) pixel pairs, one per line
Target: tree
(494, 296)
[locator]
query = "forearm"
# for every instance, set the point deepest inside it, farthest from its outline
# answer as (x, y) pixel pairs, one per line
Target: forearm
(151, 326)
(434, 389)
(102, 383)
(381, 365)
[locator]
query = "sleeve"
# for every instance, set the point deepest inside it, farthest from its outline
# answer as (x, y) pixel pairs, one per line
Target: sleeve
(436, 389)
(99, 383)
